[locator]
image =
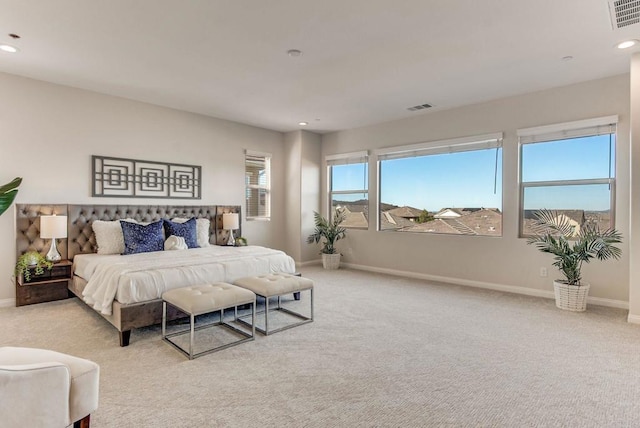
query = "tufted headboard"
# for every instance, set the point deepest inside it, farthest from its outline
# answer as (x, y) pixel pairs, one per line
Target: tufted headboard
(80, 236)
(28, 228)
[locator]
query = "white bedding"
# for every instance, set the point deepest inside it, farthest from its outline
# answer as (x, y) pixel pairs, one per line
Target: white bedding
(141, 277)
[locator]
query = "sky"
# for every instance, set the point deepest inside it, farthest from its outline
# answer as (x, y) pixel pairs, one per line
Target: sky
(466, 179)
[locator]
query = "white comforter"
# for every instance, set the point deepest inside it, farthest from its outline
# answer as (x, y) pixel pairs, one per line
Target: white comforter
(141, 277)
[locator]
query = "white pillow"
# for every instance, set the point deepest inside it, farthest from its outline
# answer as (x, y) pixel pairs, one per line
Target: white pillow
(109, 236)
(202, 230)
(175, 243)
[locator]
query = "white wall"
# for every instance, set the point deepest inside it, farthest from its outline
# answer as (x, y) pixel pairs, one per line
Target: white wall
(293, 150)
(49, 132)
(634, 254)
(302, 189)
(501, 262)
(310, 173)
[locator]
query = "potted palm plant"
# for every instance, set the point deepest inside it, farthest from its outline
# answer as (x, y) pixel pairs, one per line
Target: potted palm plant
(572, 245)
(330, 231)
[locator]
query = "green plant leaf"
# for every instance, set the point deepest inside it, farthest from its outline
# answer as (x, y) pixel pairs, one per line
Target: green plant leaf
(329, 230)
(23, 264)
(570, 245)
(8, 193)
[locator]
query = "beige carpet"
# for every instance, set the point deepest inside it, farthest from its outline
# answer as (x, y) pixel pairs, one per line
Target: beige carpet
(382, 352)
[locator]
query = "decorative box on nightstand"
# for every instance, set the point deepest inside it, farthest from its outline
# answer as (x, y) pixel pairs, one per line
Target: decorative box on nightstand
(51, 285)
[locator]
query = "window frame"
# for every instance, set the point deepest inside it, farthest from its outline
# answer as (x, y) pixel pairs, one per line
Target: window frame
(567, 131)
(352, 158)
(454, 145)
(266, 157)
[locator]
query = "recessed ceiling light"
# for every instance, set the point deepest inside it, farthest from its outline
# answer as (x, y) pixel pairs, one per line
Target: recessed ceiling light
(8, 48)
(626, 44)
(303, 123)
(294, 52)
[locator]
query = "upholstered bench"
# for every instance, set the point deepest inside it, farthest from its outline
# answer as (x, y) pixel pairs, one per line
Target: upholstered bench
(277, 285)
(41, 388)
(202, 299)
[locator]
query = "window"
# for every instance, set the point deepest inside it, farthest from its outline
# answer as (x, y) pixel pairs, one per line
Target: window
(348, 187)
(446, 187)
(258, 185)
(568, 168)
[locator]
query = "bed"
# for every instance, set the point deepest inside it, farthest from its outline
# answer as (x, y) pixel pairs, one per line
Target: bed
(126, 289)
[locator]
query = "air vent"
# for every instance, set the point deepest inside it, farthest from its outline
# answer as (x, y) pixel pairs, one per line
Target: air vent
(624, 13)
(422, 106)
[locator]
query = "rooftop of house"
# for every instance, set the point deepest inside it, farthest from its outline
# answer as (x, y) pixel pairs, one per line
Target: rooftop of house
(466, 221)
(406, 212)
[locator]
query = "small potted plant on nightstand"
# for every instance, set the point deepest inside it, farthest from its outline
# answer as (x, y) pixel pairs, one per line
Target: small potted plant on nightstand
(330, 231)
(572, 245)
(31, 262)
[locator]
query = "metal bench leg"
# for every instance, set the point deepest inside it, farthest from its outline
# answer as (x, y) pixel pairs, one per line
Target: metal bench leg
(164, 319)
(266, 316)
(253, 319)
(192, 336)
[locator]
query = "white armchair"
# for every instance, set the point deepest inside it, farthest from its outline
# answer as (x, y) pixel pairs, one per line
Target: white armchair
(41, 388)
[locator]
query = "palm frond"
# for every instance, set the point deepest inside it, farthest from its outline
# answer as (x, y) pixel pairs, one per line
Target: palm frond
(330, 230)
(8, 193)
(572, 245)
(549, 221)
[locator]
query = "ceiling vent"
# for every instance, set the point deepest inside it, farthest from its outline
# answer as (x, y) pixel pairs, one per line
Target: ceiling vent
(423, 106)
(624, 13)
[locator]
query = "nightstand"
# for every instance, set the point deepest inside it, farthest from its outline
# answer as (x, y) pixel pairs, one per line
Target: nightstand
(51, 285)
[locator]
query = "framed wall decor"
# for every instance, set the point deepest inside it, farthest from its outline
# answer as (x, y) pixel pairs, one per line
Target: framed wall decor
(133, 178)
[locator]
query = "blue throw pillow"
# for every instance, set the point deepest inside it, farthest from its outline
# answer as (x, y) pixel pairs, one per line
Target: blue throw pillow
(139, 238)
(186, 230)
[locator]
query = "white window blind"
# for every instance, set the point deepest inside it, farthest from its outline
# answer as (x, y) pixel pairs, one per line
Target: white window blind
(347, 158)
(456, 145)
(567, 130)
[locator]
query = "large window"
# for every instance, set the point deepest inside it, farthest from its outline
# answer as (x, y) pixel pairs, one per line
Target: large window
(446, 187)
(568, 168)
(348, 187)
(258, 185)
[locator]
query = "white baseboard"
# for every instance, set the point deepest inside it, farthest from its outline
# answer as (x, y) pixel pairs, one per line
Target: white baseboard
(7, 303)
(309, 263)
(547, 294)
(601, 301)
(633, 319)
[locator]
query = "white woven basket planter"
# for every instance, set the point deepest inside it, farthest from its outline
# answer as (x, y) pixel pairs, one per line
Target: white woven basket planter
(571, 297)
(331, 261)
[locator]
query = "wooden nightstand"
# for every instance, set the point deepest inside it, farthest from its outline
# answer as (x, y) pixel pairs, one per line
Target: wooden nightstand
(51, 285)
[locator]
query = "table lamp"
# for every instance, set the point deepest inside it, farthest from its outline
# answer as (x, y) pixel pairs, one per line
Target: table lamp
(52, 227)
(231, 222)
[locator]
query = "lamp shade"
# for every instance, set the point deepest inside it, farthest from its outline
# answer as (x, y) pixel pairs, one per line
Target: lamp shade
(53, 226)
(230, 221)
